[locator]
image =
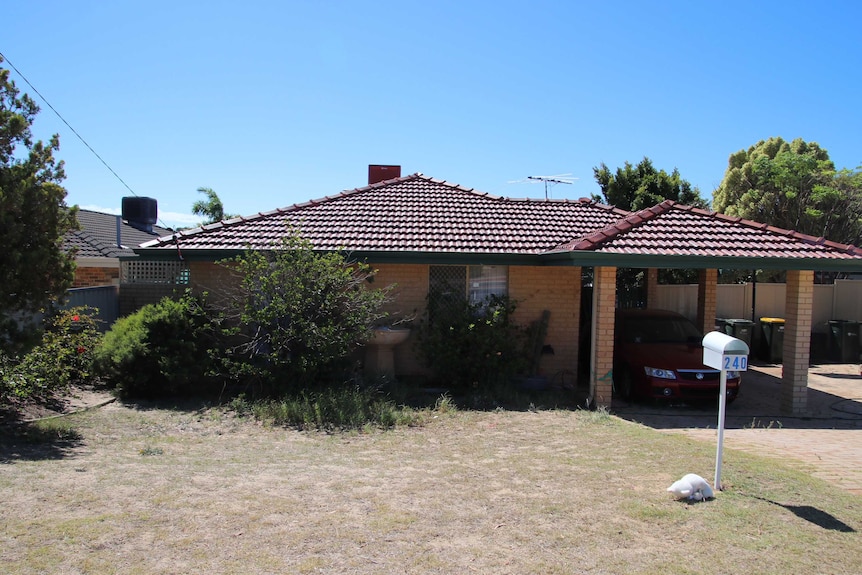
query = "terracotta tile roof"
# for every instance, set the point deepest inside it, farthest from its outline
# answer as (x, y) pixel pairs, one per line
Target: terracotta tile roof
(417, 214)
(97, 237)
(414, 213)
(673, 229)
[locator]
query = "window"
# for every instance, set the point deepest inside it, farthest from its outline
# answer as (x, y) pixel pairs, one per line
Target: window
(471, 283)
(487, 281)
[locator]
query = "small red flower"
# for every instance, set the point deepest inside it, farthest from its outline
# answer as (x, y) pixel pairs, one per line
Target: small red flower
(81, 349)
(76, 318)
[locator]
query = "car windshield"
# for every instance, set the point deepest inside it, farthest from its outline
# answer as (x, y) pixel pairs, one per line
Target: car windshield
(660, 330)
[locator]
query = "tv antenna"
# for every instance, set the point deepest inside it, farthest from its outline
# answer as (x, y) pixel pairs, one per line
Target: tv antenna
(549, 181)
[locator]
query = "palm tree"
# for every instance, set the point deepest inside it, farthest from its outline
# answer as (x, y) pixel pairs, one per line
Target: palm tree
(211, 208)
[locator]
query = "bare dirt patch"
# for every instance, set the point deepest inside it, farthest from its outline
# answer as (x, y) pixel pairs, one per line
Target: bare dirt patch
(191, 489)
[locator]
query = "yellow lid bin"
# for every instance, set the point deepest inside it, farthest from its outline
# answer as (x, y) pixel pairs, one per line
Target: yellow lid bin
(772, 340)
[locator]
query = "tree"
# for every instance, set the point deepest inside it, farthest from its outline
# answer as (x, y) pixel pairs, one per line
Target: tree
(299, 312)
(635, 188)
(212, 208)
(638, 187)
(793, 185)
(33, 213)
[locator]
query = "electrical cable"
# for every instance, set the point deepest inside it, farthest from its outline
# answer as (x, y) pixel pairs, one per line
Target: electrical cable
(74, 131)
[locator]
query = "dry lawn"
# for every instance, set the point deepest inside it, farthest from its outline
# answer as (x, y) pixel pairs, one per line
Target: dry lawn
(126, 489)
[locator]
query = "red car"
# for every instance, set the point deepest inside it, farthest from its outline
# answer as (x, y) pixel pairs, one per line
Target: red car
(658, 354)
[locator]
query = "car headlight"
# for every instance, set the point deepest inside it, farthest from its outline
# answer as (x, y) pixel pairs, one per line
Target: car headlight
(660, 373)
(732, 374)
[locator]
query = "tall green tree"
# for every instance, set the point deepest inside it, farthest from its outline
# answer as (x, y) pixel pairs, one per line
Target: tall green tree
(635, 188)
(793, 185)
(33, 212)
(642, 186)
(211, 208)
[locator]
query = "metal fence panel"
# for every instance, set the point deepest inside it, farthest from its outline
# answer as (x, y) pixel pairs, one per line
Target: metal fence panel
(104, 298)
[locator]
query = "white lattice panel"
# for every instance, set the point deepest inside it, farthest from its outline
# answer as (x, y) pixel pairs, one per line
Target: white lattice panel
(154, 272)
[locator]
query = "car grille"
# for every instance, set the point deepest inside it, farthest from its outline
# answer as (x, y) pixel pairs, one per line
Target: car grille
(692, 374)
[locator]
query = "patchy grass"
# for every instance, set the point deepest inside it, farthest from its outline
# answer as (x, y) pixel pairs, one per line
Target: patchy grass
(528, 492)
(330, 409)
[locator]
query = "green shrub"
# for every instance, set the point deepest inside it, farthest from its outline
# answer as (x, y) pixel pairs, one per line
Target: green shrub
(162, 349)
(63, 357)
(300, 315)
(333, 408)
(473, 346)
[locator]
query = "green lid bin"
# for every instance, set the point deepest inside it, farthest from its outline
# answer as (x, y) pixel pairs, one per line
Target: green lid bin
(740, 329)
(772, 342)
(844, 340)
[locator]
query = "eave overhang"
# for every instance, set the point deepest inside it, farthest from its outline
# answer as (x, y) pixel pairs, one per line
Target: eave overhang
(599, 259)
(559, 258)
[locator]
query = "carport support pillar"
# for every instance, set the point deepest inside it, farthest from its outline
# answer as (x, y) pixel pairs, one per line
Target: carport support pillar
(797, 339)
(652, 288)
(602, 356)
(707, 299)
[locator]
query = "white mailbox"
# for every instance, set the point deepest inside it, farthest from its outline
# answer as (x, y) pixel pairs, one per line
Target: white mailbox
(720, 351)
(724, 353)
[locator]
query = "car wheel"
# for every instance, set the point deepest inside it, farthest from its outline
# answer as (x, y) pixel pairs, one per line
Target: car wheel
(623, 384)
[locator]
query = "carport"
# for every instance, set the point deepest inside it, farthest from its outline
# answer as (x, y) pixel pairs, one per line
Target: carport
(672, 236)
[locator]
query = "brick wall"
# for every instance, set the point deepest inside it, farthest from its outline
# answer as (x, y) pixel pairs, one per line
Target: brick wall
(536, 289)
(91, 277)
(212, 278)
(557, 289)
(408, 299)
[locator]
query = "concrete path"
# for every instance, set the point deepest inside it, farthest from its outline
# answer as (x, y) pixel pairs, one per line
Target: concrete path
(828, 438)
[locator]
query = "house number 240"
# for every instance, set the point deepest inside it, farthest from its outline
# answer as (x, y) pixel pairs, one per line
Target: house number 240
(736, 362)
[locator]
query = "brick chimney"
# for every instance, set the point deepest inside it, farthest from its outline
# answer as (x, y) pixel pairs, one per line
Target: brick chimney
(378, 173)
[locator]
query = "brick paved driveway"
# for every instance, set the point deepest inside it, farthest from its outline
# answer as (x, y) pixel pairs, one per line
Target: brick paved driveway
(829, 438)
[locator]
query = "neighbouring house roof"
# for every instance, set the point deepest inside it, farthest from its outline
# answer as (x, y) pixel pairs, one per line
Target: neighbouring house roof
(421, 219)
(97, 237)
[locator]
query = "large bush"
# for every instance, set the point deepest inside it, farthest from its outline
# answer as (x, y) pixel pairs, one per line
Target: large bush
(162, 349)
(62, 358)
(473, 346)
(298, 315)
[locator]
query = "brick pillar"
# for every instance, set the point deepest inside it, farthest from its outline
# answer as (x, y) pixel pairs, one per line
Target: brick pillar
(602, 355)
(707, 301)
(797, 337)
(652, 287)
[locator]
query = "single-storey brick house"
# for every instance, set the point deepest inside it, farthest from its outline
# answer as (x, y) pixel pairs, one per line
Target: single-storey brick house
(425, 234)
(102, 239)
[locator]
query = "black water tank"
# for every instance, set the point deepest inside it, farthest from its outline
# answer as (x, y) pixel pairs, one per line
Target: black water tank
(140, 211)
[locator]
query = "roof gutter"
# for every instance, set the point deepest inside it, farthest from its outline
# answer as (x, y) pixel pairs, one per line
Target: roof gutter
(571, 258)
(599, 259)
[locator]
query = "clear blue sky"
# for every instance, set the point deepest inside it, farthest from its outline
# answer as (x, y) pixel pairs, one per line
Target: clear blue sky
(273, 103)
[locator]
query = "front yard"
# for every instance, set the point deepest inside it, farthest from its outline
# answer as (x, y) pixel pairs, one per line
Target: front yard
(131, 489)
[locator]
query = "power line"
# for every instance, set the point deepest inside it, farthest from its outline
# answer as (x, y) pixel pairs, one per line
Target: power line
(74, 131)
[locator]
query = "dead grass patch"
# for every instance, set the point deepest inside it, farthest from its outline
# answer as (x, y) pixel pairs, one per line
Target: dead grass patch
(181, 491)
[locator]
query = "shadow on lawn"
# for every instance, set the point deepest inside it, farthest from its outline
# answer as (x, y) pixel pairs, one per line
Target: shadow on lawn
(813, 515)
(36, 441)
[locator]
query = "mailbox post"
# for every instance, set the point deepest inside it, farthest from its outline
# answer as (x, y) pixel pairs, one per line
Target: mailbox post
(724, 353)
